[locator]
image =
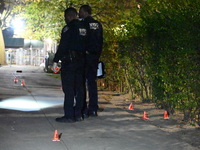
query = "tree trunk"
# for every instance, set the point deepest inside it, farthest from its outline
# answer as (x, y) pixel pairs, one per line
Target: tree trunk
(2, 49)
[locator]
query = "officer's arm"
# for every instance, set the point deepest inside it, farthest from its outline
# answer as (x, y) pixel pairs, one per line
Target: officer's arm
(100, 35)
(58, 55)
(62, 48)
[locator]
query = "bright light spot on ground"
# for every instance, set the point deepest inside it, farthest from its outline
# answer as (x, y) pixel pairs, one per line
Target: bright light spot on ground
(25, 104)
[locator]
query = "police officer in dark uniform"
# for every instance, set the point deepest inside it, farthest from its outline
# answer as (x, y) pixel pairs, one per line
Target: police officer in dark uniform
(71, 52)
(93, 52)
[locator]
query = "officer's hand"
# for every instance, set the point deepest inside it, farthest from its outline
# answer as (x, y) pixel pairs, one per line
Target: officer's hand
(55, 67)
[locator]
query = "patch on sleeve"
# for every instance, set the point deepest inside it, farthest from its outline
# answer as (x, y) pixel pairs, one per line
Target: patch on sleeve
(94, 26)
(65, 29)
(82, 31)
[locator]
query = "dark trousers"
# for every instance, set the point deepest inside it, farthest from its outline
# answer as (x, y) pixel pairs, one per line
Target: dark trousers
(72, 77)
(91, 82)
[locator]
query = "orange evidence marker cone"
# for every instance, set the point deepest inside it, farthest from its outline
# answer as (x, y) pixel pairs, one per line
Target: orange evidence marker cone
(166, 116)
(130, 107)
(145, 115)
(22, 83)
(15, 80)
(56, 136)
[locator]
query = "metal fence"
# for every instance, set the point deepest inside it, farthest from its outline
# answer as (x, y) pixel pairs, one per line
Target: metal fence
(25, 56)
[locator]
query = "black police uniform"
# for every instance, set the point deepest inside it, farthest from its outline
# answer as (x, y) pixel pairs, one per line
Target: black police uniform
(71, 52)
(93, 52)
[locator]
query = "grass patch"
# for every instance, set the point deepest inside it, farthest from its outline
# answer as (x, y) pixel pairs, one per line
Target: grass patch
(57, 76)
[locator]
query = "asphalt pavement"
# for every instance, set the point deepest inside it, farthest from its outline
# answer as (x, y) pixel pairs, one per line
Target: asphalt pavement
(30, 100)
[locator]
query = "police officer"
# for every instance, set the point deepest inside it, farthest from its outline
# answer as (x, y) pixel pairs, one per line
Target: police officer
(71, 52)
(93, 52)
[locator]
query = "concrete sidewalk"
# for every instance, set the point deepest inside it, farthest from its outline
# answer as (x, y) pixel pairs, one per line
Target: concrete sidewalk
(31, 127)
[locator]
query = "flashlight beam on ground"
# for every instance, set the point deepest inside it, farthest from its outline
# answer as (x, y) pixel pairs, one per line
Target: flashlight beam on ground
(27, 104)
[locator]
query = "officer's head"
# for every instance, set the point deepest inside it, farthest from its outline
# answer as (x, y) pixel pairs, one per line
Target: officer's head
(85, 11)
(70, 14)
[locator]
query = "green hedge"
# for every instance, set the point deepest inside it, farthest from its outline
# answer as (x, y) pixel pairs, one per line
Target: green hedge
(161, 56)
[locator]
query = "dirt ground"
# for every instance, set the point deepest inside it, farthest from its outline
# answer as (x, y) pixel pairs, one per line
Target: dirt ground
(174, 125)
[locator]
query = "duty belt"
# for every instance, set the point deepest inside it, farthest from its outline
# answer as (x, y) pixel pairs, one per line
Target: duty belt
(72, 56)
